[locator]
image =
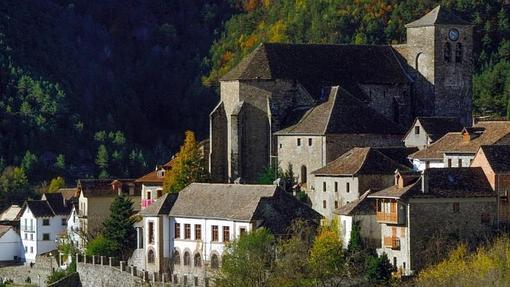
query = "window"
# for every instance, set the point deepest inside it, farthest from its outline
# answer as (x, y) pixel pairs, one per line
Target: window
(298, 142)
(177, 258)
(395, 262)
(26, 236)
(197, 260)
(303, 174)
(242, 230)
(150, 256)
(45, 222)
(185, 280)
(151, 232)
(449, 162)
(324, 186)
(215, 262)
(336, 186)
(187, 259)
(187, 231)
(177, 230)
(31, 249)
(456, 207)
(447, 52)
(347, 187)
(31, 236)
(417, 130)
(64, 221)
(46, 237)
(309, 142)
(198, 232)
(280, 145)
(458, 53)
(149, 194)
(226, 233)
(336, 204)
(196, 281)
(459, 162)
(214, 234)
(176, 279)
(323, 204)
(26, 249)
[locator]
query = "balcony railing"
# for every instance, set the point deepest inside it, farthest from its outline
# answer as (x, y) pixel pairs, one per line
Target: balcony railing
(391, 242)
(27, 228)
(146, 203)
(387, 217)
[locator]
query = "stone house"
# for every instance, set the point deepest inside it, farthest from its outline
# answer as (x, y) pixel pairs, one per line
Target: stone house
(359, 211)
(185, 233)
(434, 208)
(426, 130)
(11, 248)
(458, 149)
(272, 87)
(95, 198)
(42, 223)
(346, 178)
(329, 130)
(495, 162)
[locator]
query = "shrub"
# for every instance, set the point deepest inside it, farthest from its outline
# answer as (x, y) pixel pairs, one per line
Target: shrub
(101, 246)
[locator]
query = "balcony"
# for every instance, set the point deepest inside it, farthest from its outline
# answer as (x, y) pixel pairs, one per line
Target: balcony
(391, 242)
(27, 228)
(146, 203)
(387, 217)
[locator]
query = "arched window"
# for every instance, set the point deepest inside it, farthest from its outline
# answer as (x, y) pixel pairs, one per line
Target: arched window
(197, 260)
(458, 53)
(187, 259)
(215, 262)
(447, 52)
(303, 174)
(150, 256)
(177, 258)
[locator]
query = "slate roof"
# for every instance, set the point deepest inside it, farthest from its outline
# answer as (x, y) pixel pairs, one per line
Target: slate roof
(56, 202)
(4, 229)
(39, 208)
(319, 65)
(498, 157)
(162, 205)
(342, 114)
(362, 204)
(488, 133)
(438, 16)
(358, 161)
(437, 127)
(398, 154)
(11, 214)
(443, 183)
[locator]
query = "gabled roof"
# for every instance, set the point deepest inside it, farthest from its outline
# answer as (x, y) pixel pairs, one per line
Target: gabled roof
(487, 133)
(437, 127)
(11, 214)
(342, 114)
(152, 177)
(362, 204)
(68, 193)
(39, 208)
(498, 157)
(318, 65)
(359, 161)
(4, 229)
(438, 16)
(96, 187)
(161, 206)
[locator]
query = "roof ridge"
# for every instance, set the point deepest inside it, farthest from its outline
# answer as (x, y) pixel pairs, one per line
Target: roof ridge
(334, 94)
(364, 162)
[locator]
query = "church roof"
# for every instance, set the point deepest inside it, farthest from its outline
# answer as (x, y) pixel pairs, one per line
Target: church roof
(357, 161)
(319, 65)
(438, 16)
(342, 113)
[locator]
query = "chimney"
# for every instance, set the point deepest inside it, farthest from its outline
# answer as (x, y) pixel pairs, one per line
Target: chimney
(424, 182)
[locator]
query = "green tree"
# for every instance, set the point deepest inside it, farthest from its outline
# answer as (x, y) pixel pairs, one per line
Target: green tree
(14, 187)
(188, 166)
(355, 242)
(102, 246)
(60, 162)
(118, 227)
(379, 269)
(102, 160)
(56, 184)
(28, 162)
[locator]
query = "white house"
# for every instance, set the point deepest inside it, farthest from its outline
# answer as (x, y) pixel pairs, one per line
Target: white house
(185, 233)
(73, 227)
(426, 130)
(10, 244)
(42, 223)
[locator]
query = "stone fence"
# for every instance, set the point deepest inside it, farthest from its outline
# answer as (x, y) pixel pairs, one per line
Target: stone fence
(71, 280)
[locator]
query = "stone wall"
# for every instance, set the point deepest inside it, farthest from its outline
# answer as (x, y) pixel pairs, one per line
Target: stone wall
(37, 272)
(71, 280)
(105, 276)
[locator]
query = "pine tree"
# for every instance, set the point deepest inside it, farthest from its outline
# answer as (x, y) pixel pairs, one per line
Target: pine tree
(187, 167)
(355, 243)
(118, 228)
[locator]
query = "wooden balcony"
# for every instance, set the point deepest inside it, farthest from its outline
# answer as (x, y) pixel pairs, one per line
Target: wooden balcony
(387, 217)
(391, 242)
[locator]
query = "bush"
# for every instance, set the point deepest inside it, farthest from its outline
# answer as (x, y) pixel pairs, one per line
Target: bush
(101, 246)
(379, 269)
(55, 276)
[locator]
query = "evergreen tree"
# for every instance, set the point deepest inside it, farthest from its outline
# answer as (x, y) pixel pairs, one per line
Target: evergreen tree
(118, 227)
(102, 159)
(188, 166)
(355, 243)
(379, 269)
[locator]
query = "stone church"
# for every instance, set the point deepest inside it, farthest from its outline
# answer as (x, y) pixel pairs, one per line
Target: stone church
(278, 86)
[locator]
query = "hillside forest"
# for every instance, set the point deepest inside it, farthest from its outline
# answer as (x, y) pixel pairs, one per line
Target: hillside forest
(94, 88)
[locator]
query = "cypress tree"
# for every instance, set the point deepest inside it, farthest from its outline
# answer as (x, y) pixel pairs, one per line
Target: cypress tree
(118, 227)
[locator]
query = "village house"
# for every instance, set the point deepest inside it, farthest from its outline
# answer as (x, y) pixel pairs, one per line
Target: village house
(495, 162)
(74, 232)
(11, 248)
(426, 130)
(275, 85)
(458, 149)
(95, 199)
(185, 233)
(346, 178)
(11, 216)
(422, 211)
(42, 224)
(329, 130)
